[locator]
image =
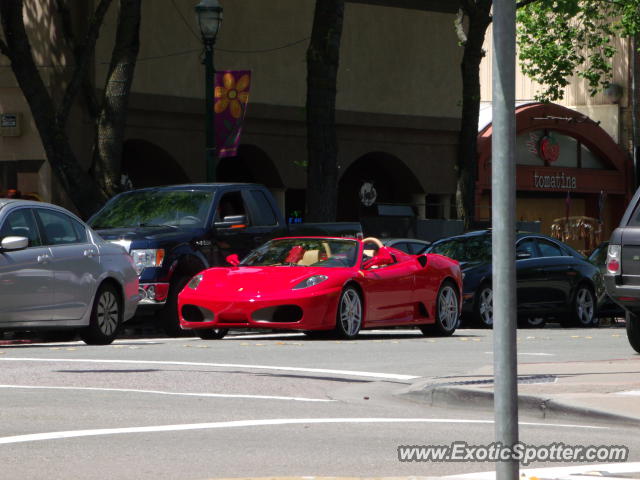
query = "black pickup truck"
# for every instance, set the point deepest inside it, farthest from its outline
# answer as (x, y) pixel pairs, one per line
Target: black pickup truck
(174, 232)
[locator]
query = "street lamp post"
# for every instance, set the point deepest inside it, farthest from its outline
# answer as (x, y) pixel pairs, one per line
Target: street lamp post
(209, 16)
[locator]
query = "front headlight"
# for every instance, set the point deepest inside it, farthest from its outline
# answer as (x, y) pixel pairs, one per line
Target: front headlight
(311, 281)
(195, 281)
(149, 257)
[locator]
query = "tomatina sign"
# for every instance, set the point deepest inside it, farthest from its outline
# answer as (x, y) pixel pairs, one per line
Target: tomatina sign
(558, 181)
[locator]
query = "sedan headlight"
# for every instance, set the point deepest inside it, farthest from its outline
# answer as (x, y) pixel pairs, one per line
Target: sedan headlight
(195, 281)
(150, 257)
(311, 281)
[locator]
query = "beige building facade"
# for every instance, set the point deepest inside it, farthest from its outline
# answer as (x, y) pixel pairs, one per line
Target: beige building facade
(397, 104)
(582, 137)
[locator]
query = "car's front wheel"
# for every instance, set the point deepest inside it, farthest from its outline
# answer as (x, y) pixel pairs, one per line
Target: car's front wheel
(349, 316)
(633, 330)
(106, 317)
(447, 312)
(483, 308)
(212, 334)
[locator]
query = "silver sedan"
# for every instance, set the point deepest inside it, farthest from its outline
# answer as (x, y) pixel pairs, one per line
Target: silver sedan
(58, 274)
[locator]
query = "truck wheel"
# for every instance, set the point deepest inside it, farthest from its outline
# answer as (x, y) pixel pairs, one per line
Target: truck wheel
(212, 334)
(168, 316)
(633, 330)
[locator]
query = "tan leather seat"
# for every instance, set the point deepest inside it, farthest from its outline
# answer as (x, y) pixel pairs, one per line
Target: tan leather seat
(310, 257)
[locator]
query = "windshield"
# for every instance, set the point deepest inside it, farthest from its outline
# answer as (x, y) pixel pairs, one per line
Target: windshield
(305, 252)
(465, 249)
(155, 208)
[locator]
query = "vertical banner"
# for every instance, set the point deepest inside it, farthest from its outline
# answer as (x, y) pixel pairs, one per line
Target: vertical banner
(231, 98)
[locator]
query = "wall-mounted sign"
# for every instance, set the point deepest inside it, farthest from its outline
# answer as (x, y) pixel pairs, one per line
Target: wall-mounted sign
(548, 149)
(559, 181)
(368, 194)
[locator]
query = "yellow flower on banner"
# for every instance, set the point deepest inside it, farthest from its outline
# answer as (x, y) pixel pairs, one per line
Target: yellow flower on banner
(231, 94)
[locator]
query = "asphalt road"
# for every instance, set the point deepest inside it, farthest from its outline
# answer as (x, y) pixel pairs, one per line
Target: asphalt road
(264, 405)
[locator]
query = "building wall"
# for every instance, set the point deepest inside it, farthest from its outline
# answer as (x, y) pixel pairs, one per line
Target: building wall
(392, 60)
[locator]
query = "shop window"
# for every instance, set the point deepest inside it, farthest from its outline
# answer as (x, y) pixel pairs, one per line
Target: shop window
(589, 160)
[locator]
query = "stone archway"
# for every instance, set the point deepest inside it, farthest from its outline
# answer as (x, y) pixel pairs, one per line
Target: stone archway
(148, 165)
(392, 180)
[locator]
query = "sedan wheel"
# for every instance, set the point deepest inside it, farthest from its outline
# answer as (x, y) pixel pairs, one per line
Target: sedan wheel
(212, 334)
(584, 308)
(447, 312)
(106, 317)
(484, 307)
(349, 318)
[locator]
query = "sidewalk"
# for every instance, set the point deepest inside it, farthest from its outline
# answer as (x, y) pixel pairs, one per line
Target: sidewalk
(598, 391)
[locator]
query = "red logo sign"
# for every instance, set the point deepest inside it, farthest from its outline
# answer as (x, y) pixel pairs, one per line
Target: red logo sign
(549, 149)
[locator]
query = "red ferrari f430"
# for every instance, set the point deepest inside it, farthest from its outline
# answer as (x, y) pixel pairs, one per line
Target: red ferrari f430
(323, 284)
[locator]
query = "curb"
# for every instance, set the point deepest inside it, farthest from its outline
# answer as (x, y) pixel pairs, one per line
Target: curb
(544, 407)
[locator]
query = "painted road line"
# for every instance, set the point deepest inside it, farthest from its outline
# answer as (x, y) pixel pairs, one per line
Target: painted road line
(346, 373)
(533, 354)
(160, 392)
(635, 393)
(575, 471)
(34, 437)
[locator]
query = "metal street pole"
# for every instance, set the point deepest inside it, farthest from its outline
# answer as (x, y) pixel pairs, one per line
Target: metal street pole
(211, 153)
(503, 200)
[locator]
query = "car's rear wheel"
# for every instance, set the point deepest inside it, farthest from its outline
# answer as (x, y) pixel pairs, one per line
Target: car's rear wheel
(212, 334)
(633, 330)
(447, 312)
(483, 308)
(583, 313)
(349, 316)
(106, 317)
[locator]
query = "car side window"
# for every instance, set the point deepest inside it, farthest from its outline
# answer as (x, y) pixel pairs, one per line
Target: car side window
(21, 223)
(402, 246)
(549, 249)
(417, 248)
(60, 229)
(528, 245)
(262, 210)
(231, 204)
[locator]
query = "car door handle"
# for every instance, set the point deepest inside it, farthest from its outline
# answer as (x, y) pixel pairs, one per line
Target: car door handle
(43, 258)
(89, 253)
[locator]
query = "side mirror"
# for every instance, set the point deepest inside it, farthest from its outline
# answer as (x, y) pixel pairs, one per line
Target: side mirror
(14, 243)
(233, 221)
(233, 260)
(522, 254)
(382, 258)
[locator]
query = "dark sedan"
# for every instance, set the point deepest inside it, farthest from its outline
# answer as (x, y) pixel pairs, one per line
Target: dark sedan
(553, 280)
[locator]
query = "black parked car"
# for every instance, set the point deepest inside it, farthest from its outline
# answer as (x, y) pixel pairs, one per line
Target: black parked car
(553, 279)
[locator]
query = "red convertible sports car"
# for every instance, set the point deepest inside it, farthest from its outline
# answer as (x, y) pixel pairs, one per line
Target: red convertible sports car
(321, 284)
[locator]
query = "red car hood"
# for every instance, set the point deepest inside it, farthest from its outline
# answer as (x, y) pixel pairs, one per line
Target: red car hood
(247, 281)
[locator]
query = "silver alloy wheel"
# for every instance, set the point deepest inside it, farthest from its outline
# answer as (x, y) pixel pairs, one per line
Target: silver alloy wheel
(107, 313)
(584, 306)
(448, 308)
(350, 312)
(485, 306)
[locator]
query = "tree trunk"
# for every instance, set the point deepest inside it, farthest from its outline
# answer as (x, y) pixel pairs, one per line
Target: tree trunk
(323, 58)
(80, 187)
(467, 162)
(107, 149)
